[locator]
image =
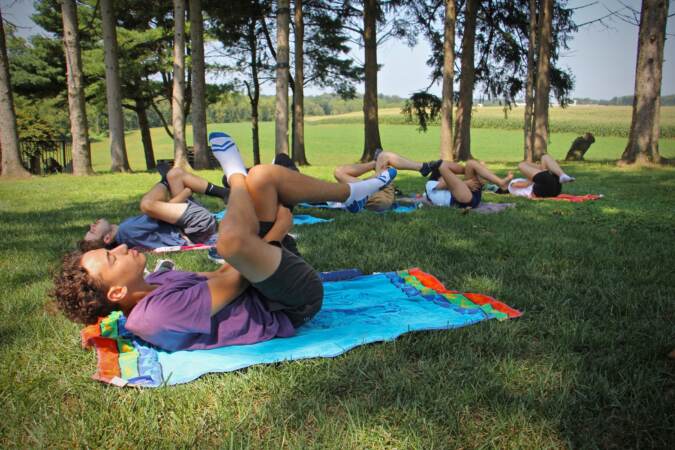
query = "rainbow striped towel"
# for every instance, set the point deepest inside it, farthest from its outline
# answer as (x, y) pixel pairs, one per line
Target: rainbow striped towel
(358, 309)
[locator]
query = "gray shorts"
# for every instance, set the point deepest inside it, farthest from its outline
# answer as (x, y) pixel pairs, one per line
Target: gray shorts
(197, 222)
(294, 288)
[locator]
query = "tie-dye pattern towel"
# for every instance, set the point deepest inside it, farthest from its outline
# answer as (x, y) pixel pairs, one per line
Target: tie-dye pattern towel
(357, 310)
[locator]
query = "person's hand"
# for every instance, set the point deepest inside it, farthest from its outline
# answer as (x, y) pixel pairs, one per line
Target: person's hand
(473, 184)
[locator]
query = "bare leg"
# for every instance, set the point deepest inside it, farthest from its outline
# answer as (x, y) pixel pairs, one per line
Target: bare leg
(269, 185)
(238, 240)
(474, 169)
(155, 205)
(179, 179)
(349, 173)
(459, 190)
(390, 159)
(529, 169)
(551, 164)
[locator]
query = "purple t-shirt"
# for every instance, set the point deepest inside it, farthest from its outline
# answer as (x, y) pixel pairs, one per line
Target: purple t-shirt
(177, 316)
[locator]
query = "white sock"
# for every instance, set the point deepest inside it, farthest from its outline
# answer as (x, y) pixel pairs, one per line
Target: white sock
(227, 154)
(362, 189)
(564, 178)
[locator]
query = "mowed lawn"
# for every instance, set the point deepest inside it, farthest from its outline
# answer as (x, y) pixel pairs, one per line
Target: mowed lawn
(585, 366)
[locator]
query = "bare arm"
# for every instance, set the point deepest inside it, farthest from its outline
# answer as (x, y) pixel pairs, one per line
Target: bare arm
(225, 286)
(182, 196)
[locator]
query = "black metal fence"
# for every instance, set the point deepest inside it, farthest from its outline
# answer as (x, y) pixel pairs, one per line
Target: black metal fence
(46, 157)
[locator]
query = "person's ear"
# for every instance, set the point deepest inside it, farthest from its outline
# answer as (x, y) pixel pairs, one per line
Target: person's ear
(108, 238)
(116, 293)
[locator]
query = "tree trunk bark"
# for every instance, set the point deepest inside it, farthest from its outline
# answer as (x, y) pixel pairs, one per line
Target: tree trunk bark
(198, 86)
(9, 139)
(118, 149)
(178, 94)
(76, 104)
(528, 135)
(447, 101)
(299, 156)
(146, 137)
(254, 97)
(462, 144)
(643, 140)
(543, 76)
(281, 111)
(370, 110)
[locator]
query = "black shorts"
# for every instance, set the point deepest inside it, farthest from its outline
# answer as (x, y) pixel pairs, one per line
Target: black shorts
(546, 184)
(476, 197)
(294, 289)
(197, 222)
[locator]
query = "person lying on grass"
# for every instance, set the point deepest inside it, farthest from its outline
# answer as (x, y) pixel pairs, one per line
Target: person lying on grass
(541, 180)
(384, 199)
(264, 292)
(171, 216)
(446, 188)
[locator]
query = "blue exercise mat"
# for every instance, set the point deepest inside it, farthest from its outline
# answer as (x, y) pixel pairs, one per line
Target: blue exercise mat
(396, 207)
(357, 310)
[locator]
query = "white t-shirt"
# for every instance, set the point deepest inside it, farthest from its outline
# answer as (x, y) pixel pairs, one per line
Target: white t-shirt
(521, 192)
(438, 197)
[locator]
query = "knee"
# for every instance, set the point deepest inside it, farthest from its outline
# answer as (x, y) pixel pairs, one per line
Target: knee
(261, 175)
(522, 166)
(147, 205)
(339, 173)
(230, 242)
(175, 173)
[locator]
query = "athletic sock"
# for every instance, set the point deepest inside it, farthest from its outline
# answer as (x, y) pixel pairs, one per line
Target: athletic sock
(362, 189)
(425, 170)
(215, 191)
(227, 154)
(564, 178)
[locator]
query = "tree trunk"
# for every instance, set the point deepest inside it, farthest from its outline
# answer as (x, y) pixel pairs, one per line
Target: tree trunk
(76, 104)
(254, 97)
(528, 135)
(118, 149)
(146, 137)
(462, 144)
(178, 94)
(370, 111)
(9, 139)
(448, 79)
(299, 156)
(643, 140)
(198, 86)
(281, 111)
(543, 81)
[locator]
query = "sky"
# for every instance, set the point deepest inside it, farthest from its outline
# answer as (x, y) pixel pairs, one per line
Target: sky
(601, 56)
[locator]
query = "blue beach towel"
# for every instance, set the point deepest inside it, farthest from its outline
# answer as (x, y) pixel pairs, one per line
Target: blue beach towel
(298, 219)
(357, 310)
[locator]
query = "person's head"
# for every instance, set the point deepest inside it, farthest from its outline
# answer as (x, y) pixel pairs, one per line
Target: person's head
(92, 284)
(546, 184)
(100, 234)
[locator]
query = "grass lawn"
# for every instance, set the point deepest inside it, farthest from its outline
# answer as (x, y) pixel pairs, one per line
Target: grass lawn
(585, 366)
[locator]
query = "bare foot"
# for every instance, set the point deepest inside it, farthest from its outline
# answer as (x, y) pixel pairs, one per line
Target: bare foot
(506, 180)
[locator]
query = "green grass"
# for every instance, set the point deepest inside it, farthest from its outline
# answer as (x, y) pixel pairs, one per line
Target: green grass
(585, 366)
(331, 144)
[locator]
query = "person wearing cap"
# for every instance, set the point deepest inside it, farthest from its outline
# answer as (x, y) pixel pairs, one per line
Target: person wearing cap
(542, 180)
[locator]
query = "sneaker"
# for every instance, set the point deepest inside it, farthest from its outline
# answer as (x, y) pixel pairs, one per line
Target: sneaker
(215, 257)
(283, 160)
(163, 265)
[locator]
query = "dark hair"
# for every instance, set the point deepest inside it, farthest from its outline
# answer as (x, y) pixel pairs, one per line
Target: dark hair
(94, 244)
(81, 297)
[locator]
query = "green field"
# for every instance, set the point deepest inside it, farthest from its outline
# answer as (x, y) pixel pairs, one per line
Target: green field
(585, 366)
(335, 140)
